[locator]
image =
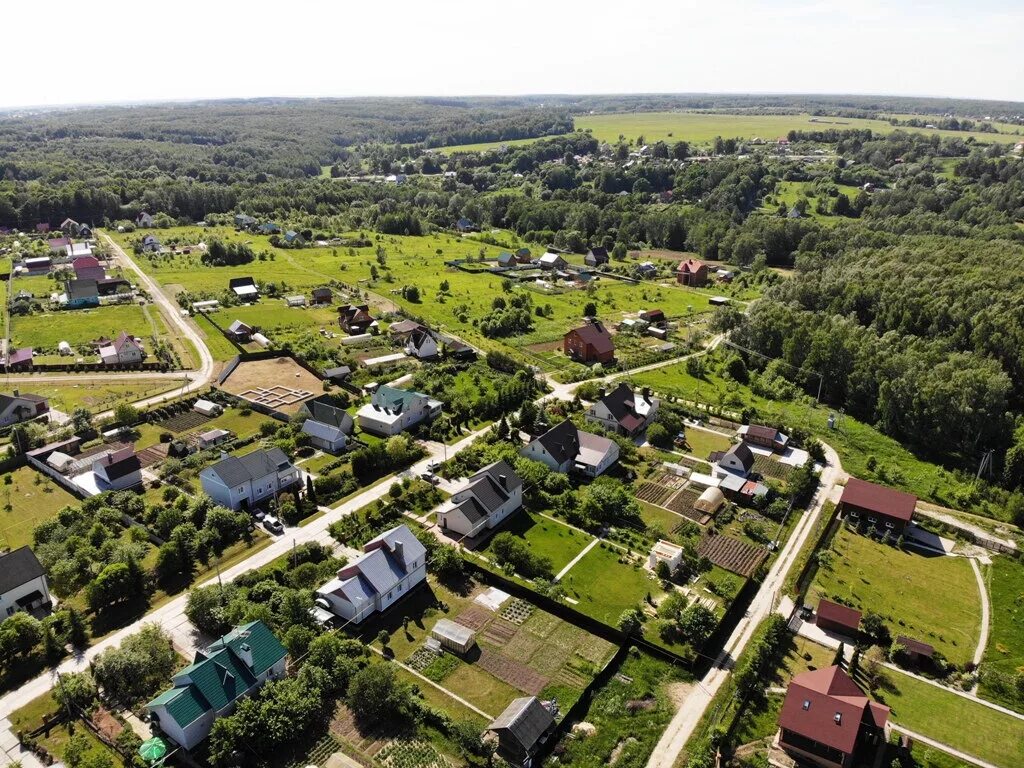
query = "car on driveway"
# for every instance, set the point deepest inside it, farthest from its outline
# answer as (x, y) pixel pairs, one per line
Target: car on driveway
(273, 525)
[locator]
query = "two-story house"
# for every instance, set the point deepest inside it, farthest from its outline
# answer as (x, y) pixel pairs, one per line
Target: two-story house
(235, 666)
(23, 585)
(118, 470)
(124, 350)
(490, 496)
(391, 566)
(624, 411)
(566, 448)
(590, 343)
(391, 411)
(243, 482)
(355, 319)
(692, 272)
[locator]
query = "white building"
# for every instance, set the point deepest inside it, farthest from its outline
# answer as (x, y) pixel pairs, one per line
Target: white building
(118, 470)
(206, 407)
(490, 496)
(565, 448)
(78, 250)
(124, 350)
(23, 585)
(665, 552)
(738, 461)
(295, 301)
(242, 482)
(624, 411)
(16, 408)
(327, 425)
(421, 344)
(392, 565)
(391, 411)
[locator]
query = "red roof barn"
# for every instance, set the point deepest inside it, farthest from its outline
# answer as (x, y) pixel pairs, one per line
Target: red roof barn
(881, 506)
(827, 720)
(834, 617)
(693, 273)
(590, 343)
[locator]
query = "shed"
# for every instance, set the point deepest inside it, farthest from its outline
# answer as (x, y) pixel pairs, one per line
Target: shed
(718, 301)
(60, 461)
(206, 408)
(453, 636)
(295, 301)
(833, 617)
(710, 501)
(260, 339)
(916, 650)
(205, 306)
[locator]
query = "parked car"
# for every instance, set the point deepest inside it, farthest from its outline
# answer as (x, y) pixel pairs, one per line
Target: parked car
(430, 478)
(272, 524)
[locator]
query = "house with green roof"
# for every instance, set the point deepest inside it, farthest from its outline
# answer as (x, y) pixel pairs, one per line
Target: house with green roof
(392, 410)
(233, 667)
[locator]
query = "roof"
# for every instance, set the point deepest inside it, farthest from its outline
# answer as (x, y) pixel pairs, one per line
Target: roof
(118, 464)
(690, 265)
(599, 252)
(323, 410)
(353, 313)
(317, 293)
(23, 355)
(525, 719)
(742, 453)
(122, 340)
(626, 407)
(488, 489)
(827, 706)
(213, 434)
(340, 372)
(240, 282)
(452, 630)
(561, 441)
(915, 646)
(239, 327)
(323, 431)
(393, 400)
(82, 289)
(266, 649)
(760, 431)
(596, 335)
(593, 448)
(551, 258)
(839, 614)
(384, 563)
(403, 327)
(235, 470)
(879, 499)
(19, 567)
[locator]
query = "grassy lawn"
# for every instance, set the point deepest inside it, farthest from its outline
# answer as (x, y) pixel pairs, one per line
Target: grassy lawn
(545, 537)
(30, 717)
(219, 346)
(233, 420)
(703, 443)
(802, 655)
(80, 326)
(100, 394)
(1005, 651)
(28, 499)
(953, 720)
(659, 517)
(930, 598)
(604, 587)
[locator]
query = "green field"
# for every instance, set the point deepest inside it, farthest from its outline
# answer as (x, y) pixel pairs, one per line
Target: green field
(789, 192)
(545, 537)
(1005, 651)
(80, 326)
(605, 587)
(953, 720)
(220, 347)
(929, 598)
(28, 499)
(97, 394)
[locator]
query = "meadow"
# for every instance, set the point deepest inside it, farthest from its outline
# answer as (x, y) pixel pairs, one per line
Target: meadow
(98, 394)
(78, 327)
(1005, 650)
(28, 498)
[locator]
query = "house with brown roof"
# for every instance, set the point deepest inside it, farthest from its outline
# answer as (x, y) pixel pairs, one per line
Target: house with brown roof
(693, 273)
(833, 617)
(766, 437)
(623, 410)
(590, 343)
(355, 318)
(20, 359)
(879, 505)
(915, 651)
(826, 720)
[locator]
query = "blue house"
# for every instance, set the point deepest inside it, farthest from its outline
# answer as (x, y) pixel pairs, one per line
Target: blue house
(150, 244)
(82, 293)
(269, 228)
(294, 238)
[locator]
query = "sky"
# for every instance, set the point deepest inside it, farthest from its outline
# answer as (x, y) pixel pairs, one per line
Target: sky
(110, 51)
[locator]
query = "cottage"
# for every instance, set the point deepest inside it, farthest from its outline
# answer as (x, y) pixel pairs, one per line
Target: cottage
(295, 301)
(355, 319)
(590, 343)
(150, 244)
(665, 552)
(23, 585)
(77, 251)
(244, 482)
(766, 437)
(244, 288)
(565, 448)
(624, 411)
(403, 328)
(20, 359)
(124, 350)
(207, 408)
(421, 344)
(453, 636)
(240, 332)
(738, 460)
(328, 426)
(391, 566)
(322, 296)
(391, 411)
(465, 225)
(269, 228)
(523, 255)
(88, 268)
(143, 220)
(521, 730)
(16, 408)
(879, 505)
(693, 273)
(291, 237)
(826, 720)
(70, 226)
(506, 259)
(118, 470)
(833, 617)
(552, 261)
(212, 438)
(244, 221)
(488, 498)
(596, 257)
(647, 269)
(235, 666)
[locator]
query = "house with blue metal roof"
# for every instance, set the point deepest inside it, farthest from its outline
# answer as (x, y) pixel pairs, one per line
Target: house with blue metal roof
(233, 667)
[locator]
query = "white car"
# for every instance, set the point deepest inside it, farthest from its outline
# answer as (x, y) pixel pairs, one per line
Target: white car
(272, 524)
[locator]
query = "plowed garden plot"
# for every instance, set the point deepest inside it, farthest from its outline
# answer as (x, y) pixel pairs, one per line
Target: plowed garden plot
(732, 554)
(474, 618)
(682, 504)
(653, 493)
(517, 611)
(153, 454)
(183, 422)
(669, 480)
(499, 632)
(769, 467)
(343, 725)
(512, 672)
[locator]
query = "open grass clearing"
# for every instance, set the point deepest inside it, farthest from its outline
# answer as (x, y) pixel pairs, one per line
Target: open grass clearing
(29, 499)
(703, 443)
(1005, 650)
(220, 347)
(97, 394)
(932, 598)
(604, 587)
(78, 327)
(545, 537)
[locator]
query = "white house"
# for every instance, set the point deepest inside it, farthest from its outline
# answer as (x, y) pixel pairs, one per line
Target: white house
(233, 667)
(23, 585)
(118, 470)
(552, 261)
(421, 344)
(392, 564)
(391, 411)
(565, 448)
(124, 350)
(327, 425)
(738, 460)
(16, 408)
(242, 482)
(665, 552)
(624, 411)
(78, 250)
(144, 220)
(490, 496)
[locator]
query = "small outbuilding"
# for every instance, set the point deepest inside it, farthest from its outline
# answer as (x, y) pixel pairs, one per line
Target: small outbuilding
(64, 349)
(916, 651)
(260, 339)
(710, 501)
(453, 636)
(840, 619)
(207, 408)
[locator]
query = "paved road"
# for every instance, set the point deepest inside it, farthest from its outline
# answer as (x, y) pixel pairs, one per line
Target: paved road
(682, 726)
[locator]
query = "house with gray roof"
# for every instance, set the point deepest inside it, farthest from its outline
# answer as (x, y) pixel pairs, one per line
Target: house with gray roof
(522, 729)
(392, 565)
(23, 585)
(16, 408)
(233, 667)
(244, 482)
(391, 411)
(327, 425)
(566, 448)
(489, 496)
(738, 461)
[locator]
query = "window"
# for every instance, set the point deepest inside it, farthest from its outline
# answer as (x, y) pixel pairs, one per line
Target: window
(839, 718)
(807, 704)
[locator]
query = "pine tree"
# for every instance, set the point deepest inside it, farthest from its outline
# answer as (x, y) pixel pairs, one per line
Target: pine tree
(78, 635)
(840, 653)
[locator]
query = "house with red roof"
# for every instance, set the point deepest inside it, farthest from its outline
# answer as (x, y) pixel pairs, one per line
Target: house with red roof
(20, 359)
(826, 720)
(590, 343)
(88, 268)
(833, 617)
(356, 319)
(879, 505)
(693, 273)
(124, 350)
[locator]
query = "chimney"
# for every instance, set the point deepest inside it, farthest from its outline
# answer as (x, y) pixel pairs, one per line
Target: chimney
(647, 394)
(245, 652)
(503, 480)
(16, 393)
(399, 552)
